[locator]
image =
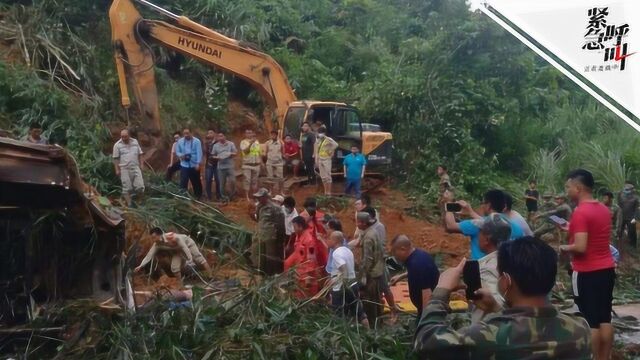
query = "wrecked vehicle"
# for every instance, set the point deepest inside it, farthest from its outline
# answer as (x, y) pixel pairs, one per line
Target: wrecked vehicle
(59, 239)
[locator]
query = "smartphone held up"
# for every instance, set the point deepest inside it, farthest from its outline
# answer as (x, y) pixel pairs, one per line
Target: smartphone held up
(453, 207)
(471, 277)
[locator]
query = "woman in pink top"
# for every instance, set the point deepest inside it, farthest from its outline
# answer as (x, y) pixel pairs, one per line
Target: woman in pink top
(594, 274)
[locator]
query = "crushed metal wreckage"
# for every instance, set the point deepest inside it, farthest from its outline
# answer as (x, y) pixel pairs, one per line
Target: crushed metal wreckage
(59, 238)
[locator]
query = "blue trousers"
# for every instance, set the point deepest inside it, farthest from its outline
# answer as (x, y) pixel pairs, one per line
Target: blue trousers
(353, 185)
(211, 174)
(227, 176)
(191, 175)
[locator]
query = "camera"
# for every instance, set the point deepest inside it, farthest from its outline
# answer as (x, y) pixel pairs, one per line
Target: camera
(187, 157)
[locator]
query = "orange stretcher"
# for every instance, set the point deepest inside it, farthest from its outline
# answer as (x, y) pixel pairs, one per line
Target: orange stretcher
(400, 293)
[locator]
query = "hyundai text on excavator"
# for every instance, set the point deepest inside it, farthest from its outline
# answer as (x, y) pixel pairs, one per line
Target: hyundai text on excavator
(132, 36)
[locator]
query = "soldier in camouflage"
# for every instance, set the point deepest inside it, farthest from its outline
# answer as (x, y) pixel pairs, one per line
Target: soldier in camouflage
(547, 202)
(268, 244)
(629, 203)
(561, 209)
(371, 273)
(529, 327)
(616, 216)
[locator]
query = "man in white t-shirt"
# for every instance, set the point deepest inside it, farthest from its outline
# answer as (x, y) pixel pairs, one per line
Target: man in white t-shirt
(344, 294)
(290, 212)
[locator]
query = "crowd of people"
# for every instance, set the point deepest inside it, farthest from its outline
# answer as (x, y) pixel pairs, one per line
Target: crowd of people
(518, 271)
(511, 313)
(213, 163)
(517, 266)
(321, 254)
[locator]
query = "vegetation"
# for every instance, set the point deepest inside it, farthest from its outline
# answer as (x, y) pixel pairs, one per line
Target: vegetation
(492, 110)
(258, 322)
(452, 86)
(171, 209)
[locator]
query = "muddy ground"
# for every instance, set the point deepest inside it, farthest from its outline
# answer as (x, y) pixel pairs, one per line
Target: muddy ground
(391, 205)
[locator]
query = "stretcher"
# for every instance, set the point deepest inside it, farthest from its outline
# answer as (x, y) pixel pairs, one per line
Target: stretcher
(401, 296)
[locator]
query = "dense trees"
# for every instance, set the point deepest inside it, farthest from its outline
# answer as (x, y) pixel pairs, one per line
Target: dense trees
(451, 85)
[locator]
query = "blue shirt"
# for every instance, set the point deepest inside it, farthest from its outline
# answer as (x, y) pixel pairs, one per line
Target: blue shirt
(193, 147)
(468, 228)
(354, 165)
(422, 273)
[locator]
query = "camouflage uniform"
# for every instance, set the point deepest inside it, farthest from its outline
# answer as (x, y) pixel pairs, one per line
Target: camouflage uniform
(629, 203)
(616, 222)
(371, 273)
(516, 333)
(563, 211)
(268, 244)
(547, 204)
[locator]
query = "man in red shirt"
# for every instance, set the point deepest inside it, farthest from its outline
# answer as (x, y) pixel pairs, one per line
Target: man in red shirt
(292, 154)
(594, 274)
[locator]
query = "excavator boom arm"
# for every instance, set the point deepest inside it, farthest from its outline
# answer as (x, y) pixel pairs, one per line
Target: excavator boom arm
(258, 69)
(131, 34)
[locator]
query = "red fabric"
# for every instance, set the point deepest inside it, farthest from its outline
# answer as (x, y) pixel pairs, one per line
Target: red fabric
(310, 258)
(291, 148)
(595, 219)
(316, 222)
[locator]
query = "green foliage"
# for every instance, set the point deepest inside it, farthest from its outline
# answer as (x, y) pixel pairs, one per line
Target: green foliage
(169, 208)
(259, 321)
(25, 98)
(452, 86)
(546, 169)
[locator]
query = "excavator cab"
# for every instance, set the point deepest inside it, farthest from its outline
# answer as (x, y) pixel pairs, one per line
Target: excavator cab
(344, 125)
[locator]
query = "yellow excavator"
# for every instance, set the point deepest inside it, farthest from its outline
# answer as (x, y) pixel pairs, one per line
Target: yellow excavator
(132, 36)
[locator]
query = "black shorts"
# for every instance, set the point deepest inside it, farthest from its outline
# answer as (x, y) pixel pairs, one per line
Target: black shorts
(532, 207)
(594, 295)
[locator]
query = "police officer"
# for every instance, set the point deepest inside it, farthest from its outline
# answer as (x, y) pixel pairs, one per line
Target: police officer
(251, 160)
(182, 249)
(274, 149)
(127, 159)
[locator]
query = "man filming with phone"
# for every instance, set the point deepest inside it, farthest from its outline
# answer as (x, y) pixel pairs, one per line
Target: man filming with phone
(530, 327)
(493, 202)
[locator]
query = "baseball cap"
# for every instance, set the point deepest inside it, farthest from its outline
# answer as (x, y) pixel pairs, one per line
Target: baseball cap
(261, 193)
